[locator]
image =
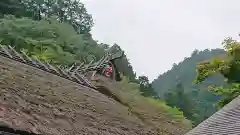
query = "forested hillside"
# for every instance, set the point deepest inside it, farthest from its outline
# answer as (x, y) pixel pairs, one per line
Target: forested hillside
(198, 103)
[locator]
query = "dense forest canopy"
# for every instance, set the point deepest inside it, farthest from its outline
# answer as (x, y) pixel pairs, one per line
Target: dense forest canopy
(54, 30)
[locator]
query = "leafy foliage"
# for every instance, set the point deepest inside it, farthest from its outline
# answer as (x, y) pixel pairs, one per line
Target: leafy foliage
(46, 39)
(228, 66)
(71, 11)
(54, 30)
(219, 75)
(146, 87)
(197, 102)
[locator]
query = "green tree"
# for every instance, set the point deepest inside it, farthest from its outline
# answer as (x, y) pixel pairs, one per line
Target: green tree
(228, 66)
(177, 97)
(14, 7)
(70, 11)
(47, 39)
(146, 87)
(203, 101)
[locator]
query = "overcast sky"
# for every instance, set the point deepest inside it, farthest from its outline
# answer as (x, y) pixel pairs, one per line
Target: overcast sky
(163, 32)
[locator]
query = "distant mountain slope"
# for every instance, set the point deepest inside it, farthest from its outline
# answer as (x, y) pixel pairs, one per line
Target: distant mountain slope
(185, 72)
